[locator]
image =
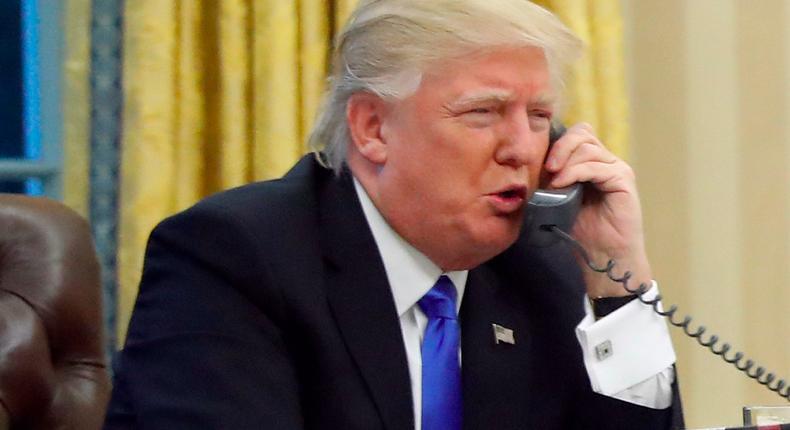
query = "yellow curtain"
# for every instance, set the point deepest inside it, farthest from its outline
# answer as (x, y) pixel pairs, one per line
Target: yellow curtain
(596, 87)
(76, 100)
(217, 94)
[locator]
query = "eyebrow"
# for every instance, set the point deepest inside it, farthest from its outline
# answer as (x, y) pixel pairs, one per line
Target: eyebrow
(544, 99)
(483, 96)
(495, 95)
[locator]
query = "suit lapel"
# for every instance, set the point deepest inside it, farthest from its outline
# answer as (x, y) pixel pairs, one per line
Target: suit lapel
(362, 304)
(494, 375)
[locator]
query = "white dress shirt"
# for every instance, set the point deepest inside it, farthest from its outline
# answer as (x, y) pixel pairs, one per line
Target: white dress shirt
(639, 369)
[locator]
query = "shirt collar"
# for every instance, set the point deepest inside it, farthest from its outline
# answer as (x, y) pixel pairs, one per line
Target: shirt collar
(409, 272)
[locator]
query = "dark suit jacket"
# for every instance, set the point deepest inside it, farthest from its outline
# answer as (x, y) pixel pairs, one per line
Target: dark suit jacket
(267, 306)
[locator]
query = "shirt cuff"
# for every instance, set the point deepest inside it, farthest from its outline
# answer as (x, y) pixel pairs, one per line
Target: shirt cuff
(625, 348)
(655, 392)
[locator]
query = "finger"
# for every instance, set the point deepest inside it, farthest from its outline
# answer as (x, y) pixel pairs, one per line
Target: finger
(584, 126)
(606, 177)
(562, 149)
(589, 152)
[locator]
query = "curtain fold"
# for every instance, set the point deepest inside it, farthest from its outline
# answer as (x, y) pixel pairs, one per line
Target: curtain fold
(276, 100)
(76, 102)
(218, 94)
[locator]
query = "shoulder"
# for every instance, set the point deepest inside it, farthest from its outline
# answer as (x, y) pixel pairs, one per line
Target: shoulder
(240, 228)
(236, 242)
(261, 208)
(274, 200)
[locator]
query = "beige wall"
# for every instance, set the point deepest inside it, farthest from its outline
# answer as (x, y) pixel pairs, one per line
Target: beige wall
(710, 97)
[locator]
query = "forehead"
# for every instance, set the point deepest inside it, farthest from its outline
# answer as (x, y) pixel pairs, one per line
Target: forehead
(502, 74)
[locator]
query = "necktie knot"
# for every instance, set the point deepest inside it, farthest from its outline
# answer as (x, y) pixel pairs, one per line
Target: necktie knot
(439, 301)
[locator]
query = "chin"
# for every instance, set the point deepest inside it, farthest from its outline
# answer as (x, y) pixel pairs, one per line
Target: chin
(491, 242)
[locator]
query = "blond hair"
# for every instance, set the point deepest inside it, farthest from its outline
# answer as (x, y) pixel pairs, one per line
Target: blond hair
(387, 45)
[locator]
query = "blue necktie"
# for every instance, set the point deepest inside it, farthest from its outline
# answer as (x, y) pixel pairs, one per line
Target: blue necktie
(441, 372)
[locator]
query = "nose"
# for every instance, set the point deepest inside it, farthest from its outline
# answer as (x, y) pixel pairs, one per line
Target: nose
(522, 145)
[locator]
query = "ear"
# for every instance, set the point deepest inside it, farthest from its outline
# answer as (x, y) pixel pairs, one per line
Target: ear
(365, 114)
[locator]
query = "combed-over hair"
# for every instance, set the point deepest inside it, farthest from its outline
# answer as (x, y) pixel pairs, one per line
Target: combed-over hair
(387, 45)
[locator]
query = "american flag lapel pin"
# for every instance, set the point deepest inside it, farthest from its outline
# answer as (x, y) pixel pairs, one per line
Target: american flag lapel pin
(503, 335)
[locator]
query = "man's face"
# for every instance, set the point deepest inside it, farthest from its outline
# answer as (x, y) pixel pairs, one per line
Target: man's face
(464, 153)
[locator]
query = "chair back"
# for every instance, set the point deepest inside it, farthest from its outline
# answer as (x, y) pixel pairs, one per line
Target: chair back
(53, 370)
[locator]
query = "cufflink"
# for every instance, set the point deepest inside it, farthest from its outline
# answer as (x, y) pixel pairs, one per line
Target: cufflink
(603, 350)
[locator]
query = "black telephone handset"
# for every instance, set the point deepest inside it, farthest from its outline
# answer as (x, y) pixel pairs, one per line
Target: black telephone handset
(557, 207)
(550, 215)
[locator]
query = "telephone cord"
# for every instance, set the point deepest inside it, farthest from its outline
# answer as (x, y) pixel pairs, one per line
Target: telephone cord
(738, 359)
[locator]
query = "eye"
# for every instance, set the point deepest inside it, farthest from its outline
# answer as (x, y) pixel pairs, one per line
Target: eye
(543, 114)
(480, 115)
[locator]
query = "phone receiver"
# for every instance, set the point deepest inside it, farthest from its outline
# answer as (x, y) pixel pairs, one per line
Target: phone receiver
(552, 207)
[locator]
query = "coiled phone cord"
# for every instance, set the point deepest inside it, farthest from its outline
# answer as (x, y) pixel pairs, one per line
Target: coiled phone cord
(738, 360)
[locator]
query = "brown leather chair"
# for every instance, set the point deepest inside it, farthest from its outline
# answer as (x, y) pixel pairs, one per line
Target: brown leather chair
(53, 371)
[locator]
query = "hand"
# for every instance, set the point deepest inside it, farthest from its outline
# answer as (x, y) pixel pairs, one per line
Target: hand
(609, 225)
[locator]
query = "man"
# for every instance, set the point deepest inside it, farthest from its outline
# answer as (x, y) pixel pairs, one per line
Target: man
(329, 298)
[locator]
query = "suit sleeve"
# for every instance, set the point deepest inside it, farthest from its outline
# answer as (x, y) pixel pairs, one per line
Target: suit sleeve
(596, 411)
(205, 348)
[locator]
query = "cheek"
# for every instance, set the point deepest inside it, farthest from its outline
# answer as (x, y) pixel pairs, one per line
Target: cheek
(471, 155)
(463, 173)
(444, 162)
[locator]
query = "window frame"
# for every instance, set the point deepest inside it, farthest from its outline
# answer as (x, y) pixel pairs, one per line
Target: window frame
(42, 51)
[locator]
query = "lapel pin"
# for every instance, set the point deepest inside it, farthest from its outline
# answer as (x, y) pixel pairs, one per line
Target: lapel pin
(503, 334)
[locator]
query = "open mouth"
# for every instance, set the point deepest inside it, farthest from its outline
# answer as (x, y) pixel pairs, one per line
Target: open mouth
(513, 193)
(509, 200)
